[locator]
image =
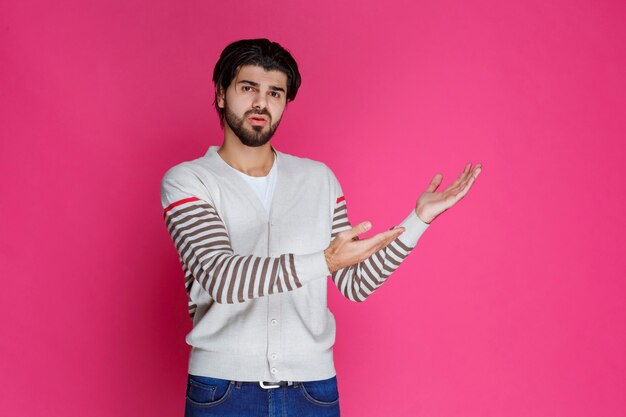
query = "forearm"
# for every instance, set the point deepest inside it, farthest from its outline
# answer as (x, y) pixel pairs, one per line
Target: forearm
(203, 245)
(358, 281)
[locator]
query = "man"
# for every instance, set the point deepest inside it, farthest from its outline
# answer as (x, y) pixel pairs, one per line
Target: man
(258, 232)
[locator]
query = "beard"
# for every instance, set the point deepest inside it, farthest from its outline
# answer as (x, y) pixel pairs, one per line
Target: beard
(250, 135)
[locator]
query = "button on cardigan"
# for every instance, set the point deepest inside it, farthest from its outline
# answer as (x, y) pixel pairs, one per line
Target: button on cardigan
(256, 282)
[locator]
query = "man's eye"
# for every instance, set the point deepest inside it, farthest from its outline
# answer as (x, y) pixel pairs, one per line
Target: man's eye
(275, 94)
(246, 88)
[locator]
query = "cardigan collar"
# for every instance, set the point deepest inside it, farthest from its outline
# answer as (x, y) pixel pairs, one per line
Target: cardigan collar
(281, 195)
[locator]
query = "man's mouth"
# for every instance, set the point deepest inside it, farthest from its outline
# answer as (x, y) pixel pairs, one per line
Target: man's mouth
(257, 120)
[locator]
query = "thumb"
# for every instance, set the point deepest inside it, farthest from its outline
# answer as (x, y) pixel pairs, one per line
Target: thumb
(359, 229)
(435, 183)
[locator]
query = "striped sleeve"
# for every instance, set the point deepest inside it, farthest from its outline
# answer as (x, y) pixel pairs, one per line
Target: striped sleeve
(191, 305)
(360, 280)
(206, 254)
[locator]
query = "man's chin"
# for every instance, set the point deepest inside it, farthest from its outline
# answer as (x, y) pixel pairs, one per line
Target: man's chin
(252, 136)
(254, 142)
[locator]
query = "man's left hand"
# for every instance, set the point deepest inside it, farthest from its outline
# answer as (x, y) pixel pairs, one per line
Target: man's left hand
(431, 204)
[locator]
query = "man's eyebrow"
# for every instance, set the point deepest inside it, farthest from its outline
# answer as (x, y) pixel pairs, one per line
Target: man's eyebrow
(252, 83)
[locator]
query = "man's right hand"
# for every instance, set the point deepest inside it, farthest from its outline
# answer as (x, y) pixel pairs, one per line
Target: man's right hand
(347, 249)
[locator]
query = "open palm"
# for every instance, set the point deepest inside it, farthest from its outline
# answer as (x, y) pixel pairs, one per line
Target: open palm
(431, 203)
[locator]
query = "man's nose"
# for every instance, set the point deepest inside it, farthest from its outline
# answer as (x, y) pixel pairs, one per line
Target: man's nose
(260, 101)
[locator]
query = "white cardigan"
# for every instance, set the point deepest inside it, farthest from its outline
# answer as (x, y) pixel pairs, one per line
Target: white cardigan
(256, 283)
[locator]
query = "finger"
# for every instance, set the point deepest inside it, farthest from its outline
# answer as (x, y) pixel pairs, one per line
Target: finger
(460, 178)
(461, 182)
(471, 176)
(385, 243)
(477, 169)
(434, 183)
(359, 229)
(383, 239)
(466, 188)
(461, 185)
(466, 172)
(371, 243)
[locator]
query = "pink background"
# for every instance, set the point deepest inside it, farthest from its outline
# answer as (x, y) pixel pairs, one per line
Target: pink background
(513, 302)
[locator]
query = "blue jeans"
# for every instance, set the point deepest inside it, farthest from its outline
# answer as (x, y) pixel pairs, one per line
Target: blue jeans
(220, 397)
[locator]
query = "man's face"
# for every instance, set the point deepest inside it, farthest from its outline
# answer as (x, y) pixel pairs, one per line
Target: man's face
(254, 103)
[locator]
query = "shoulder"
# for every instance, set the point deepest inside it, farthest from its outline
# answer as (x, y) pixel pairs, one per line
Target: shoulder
(204, 170)
(193, 178)
(179, 172)
(305, 166)
(313, 173)
(309, 170)
(182, 173)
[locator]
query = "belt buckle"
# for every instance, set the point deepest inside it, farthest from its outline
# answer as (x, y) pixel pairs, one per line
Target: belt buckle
(262, 384)
(273, 385)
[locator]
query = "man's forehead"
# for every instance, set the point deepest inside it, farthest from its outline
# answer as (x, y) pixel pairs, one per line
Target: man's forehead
(259, 75)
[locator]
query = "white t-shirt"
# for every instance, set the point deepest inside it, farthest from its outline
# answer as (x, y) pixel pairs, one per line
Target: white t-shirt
(262, 186)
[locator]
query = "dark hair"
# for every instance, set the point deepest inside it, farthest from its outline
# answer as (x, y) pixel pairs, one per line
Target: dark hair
(260, 52)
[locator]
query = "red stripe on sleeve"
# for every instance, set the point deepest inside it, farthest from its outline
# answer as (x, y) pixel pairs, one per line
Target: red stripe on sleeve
(178, 203)
(340, 199)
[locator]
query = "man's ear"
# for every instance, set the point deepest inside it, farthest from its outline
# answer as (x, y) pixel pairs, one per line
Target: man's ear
(220, 97)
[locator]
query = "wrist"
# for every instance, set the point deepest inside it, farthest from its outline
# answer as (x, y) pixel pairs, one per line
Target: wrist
(423, 217)
(329, 262)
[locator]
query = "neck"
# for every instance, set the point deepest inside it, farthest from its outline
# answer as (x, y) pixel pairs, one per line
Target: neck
(253, 161)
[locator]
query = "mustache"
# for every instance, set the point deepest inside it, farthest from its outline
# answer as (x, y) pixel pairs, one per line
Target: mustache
(260, 111)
